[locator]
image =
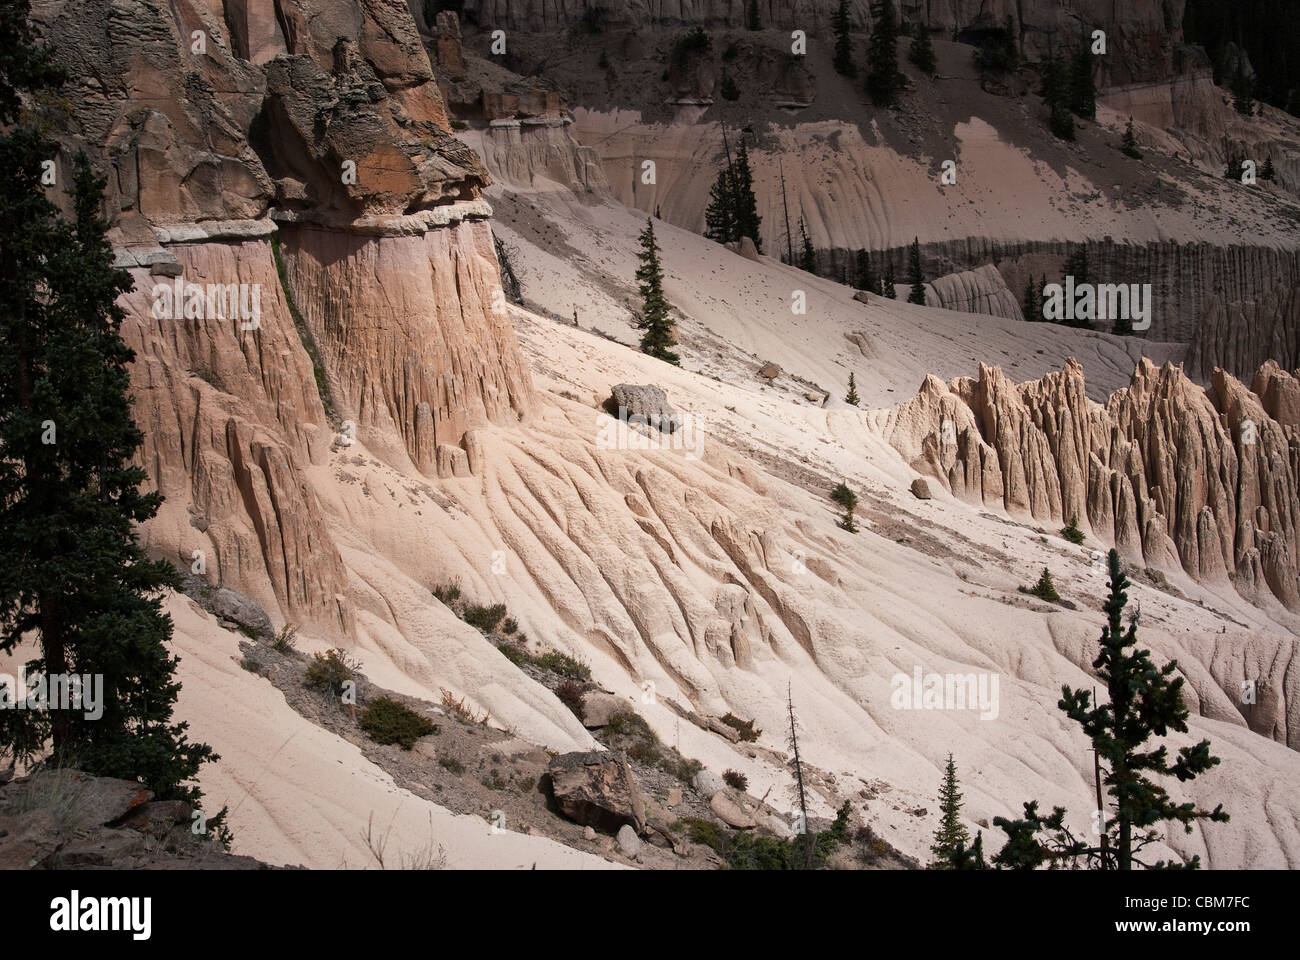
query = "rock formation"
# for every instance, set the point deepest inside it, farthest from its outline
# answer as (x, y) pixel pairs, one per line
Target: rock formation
(219, 128)
(1171, 474)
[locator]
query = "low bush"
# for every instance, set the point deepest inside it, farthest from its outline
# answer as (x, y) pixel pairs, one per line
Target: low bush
(386, 721)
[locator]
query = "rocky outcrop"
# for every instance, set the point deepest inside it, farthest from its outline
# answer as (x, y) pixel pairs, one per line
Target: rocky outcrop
(1144, 33)
(597, 789)
(1168, 473)
(1239, 335)
(219, 126)
(982, 290)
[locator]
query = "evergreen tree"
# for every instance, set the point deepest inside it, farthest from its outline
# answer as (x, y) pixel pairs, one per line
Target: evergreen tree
(654, 318)
(744, 204)
(729, 89)
(1267, 172)
(1033, 305)
(808, 258)
(914, 275)
(852, 396)
(921, 53)
(72, 572)
(1072, 532)
(951, 835)
(752, 21)
(884, 79)
(1143, 701)
(720, 214)
(1083, 92)
(1129, 146)
(1055, 93)
(865, 280)
(844, 64)
(1045, 588)
(1076, 266)
(887, 284)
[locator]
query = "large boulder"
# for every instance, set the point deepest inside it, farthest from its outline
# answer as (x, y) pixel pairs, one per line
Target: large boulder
(599, 708)
(646, 402)
(597, 788)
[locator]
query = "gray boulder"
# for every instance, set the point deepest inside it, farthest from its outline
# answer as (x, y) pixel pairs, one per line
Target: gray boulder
(644, 403)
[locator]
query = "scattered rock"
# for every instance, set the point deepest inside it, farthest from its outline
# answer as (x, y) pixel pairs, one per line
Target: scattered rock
(588, 833)
(769, 371)
(628, 841)
(674, 796)
(599, 708)
(730, 812)
(708, 783)
(647, 403)
(597, 788)
(921, 489)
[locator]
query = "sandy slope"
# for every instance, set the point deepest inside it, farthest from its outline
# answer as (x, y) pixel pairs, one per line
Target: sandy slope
(738, 313)
(300, 795)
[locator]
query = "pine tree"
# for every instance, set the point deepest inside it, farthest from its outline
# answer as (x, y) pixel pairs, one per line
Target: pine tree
(72, 571)
(752, 21)
(864, 278)
(1076, 266)
(921, 53)
(914, 275)
(884, 79)
(1055, 93)
(654, 318)
(852, 396)
(1045, 589)
(1267, 172)
(744, 203)
(951, 835)
(1033, 305)
(1072, 532)
(1142, 701)
(1129, 146)
(720, 214)
(808, 258)
(729, 89)
(844, 64)
(1083, 92)
(887, 283)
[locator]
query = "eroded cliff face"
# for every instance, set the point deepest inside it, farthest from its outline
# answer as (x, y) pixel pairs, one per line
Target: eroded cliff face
(1171, 474)
(219, 126)
(1145, 31)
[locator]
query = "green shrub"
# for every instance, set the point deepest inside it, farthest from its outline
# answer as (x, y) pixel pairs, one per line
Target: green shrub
(743, 727)
(386, 721)
(510, 626)
(704, 832)
(647, 752)
(736, 779)
(459, 125)
(629, 724)
(563, 665)
(485, 618)
(447, 593)
(514, 653)
(328, 672)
